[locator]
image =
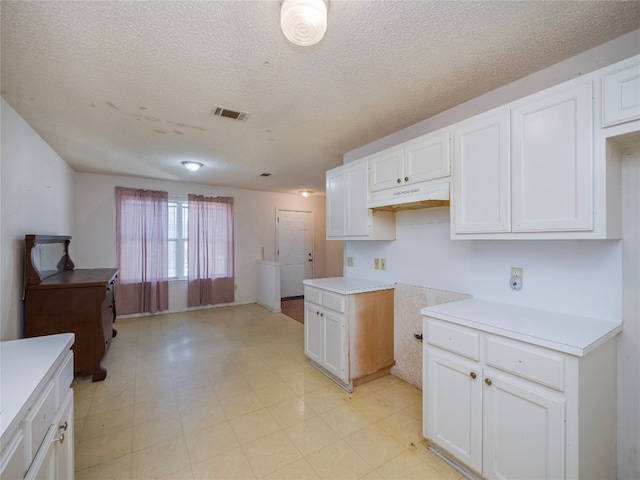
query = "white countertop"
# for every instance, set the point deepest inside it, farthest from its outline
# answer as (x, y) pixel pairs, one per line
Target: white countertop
(23, 365)
(348, 285)
(573, 334)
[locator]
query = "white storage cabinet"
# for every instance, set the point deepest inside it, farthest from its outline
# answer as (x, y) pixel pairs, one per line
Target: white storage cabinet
(621, 94)
(348, 335)
(37, 408)
(348, 217)
(526, 168)
(419, 160)
(508, 409)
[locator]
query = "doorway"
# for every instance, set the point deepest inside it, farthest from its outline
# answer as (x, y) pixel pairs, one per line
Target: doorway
(295, 253)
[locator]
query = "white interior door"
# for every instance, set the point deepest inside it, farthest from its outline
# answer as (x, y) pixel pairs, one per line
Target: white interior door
(294, 250)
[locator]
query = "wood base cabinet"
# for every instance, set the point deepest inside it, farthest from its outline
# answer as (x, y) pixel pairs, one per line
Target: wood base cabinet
(507, 409)
(78, 301)
(349, 337)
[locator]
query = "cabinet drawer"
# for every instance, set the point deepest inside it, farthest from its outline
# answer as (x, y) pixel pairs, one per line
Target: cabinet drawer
(333, 301)
(12, 458)
(453, 338)
(64, 377)
(39, 419)
(313, 295)
(526, 361)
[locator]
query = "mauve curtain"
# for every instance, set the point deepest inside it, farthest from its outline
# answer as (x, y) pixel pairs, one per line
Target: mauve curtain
(142, 222)
(211, 262)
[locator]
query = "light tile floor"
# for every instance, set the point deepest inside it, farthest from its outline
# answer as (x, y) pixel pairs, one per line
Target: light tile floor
(228, 393)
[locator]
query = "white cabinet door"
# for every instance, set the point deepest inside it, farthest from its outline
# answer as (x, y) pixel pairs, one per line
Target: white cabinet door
(524, 431)
(336, 202)
(386, 169)
(482, 175)
(335, 349)
(65, 465)
(313, 332)
(552, 163)
(454, 407)
(427, 158)
(621, 96)
(358, 216)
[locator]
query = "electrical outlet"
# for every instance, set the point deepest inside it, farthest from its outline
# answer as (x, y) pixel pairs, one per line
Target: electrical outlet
(383, 264)
(376, 263)
(349, 261)
(515, 282)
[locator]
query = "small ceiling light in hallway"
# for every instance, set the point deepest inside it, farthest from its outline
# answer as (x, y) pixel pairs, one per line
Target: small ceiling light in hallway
(192, 166)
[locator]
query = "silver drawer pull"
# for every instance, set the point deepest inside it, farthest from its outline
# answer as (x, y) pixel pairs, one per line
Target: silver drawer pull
(64, 426)
(59, 439)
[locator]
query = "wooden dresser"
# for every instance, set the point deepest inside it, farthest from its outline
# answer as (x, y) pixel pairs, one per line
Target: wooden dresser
(60, 299)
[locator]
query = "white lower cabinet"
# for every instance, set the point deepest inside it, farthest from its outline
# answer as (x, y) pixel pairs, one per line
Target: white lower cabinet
(523, 430)
(349, 336)
(325, 339)
(37, 408)
(506, 409)
(55, 458)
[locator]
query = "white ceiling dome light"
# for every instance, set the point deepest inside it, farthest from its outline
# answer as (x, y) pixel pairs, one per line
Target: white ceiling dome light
(192, 166)
(304, 22)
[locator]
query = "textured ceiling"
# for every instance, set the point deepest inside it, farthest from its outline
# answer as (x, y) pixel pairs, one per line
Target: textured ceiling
(128, 87)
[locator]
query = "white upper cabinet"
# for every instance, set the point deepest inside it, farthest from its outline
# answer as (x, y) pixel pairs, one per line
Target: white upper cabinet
(348, 217)
(336, 202)
(533, 169)
(419, 160)
(386, 169)
(482, 180)
(621, 94)
(552, 163)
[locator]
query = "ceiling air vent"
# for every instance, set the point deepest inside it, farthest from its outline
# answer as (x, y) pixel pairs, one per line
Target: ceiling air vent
(232, 114)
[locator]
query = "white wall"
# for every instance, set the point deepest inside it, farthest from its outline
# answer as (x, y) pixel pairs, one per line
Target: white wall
(37, 195)
(254, 211)
(629, 340)
(581, 277)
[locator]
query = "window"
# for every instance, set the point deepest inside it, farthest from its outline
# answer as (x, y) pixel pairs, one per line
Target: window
(141, 246)
(178, 239)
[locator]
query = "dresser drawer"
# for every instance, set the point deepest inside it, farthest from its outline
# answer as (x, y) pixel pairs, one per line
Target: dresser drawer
(526, 361)
(39, 419)
(456, 339)
(64, 377)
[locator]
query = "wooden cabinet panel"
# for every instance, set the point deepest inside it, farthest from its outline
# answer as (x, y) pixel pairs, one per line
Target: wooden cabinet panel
(80, 302)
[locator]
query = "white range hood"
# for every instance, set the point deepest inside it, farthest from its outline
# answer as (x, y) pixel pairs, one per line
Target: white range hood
(411, 197)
